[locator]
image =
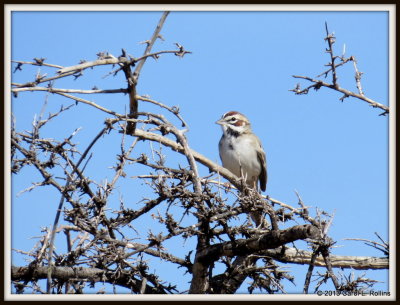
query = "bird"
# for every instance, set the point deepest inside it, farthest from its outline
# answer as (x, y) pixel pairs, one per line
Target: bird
(241, 152)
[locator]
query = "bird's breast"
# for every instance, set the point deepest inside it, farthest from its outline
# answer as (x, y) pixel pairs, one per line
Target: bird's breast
(239, 155)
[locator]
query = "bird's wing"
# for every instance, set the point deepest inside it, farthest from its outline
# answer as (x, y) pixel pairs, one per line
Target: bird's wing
(263, 162)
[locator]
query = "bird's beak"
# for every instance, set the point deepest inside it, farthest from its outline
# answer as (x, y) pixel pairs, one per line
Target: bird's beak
(220, 122)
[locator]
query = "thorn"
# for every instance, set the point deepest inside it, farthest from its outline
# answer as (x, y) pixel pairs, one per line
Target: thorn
(343, 97)
(39, 61)
(102, 55)
(145, 42)
(18, 67)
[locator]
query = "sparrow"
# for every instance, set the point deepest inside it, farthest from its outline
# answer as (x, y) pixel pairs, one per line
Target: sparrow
(241, 152)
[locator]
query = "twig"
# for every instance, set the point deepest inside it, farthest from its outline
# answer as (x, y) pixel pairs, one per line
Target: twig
(331, 40)
(59, 90)
(133, 78)
(81, 100)
(112, 60)
(174, 109)
(384, 247)
(150, 44)
(343, 62)
(44, 80)
(189, 155)
(357, 77)
(310, 270)
(109, 60)
(36, 63)
(325, 254)
(346, 92)
(301, 203)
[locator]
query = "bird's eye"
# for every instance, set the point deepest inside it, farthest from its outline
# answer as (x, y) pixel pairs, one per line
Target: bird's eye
(233, 120)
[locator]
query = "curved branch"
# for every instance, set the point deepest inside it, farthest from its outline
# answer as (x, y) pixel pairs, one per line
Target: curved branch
(197, 156)
(81, 100)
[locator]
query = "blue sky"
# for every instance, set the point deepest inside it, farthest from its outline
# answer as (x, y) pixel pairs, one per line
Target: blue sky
(334, 154)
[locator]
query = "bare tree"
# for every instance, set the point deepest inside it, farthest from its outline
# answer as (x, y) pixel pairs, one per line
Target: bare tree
(103, 242)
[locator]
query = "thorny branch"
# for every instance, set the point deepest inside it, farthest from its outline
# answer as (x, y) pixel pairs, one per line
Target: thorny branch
(60, 205)
(334, 85)
(104, 235)
(382, 246)
(133, 78)
(218, 212)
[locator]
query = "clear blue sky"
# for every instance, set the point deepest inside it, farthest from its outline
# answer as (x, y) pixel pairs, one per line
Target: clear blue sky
(334, 154)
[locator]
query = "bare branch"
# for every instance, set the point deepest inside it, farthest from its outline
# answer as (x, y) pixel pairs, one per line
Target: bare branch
(266, 241)
(133, 78)
(91, 275)
(330, 38)
(36, 63)
(59, 90)
(319, 83)
(150, 44)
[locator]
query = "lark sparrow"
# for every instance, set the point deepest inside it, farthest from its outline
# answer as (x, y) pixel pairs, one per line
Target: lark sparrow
(241, 152)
